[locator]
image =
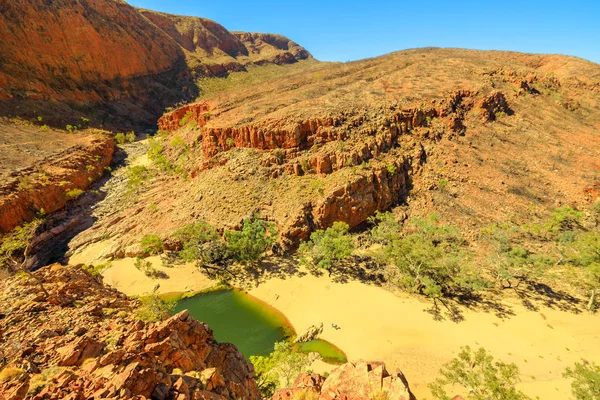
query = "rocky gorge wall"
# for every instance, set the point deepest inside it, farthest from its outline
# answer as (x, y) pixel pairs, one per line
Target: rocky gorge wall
(49, 185)
(114, 64)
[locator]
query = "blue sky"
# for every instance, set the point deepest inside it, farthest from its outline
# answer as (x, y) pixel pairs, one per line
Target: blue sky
(351, 30)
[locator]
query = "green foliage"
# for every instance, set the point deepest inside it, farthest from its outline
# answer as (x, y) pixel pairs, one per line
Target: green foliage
(391, 169)
(480, 375)
(73, 194)
(584, 251)
(13, 244)
(200, 242)
(327, 248)
(71, 128)
(147, 268)
(511, 263)
(279, 369)
(563, 219)
(154, 308)
(178, 142)
(385, 228)
(155, 153)
(122, 138)
(152, 244)
(229, 142)
(249, 244)
(96, 270)
(130, 137)
(430, 258)
(137, 176)
(586, 380)
(186, 118)
(443, 183)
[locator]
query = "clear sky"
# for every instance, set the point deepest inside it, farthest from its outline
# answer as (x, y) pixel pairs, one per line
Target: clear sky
(351, 30)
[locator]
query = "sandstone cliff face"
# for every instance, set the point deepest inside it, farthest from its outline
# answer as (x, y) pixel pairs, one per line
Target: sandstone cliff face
(112, 63)
(47, 185)
(351, 381)
(76, 339)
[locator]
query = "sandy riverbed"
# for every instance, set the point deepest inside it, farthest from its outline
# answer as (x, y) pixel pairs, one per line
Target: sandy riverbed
(375, 324)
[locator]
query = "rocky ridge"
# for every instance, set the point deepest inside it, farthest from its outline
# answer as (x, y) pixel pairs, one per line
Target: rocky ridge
(122, 66)
(68, 336)
(412, 129)
(49, 184)
(350, 381)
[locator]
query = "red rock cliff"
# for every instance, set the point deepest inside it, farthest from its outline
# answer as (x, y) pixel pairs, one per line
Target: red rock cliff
(86, 340)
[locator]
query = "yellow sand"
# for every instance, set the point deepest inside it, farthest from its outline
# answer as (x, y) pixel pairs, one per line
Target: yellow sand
(124, 276)
(375, 324)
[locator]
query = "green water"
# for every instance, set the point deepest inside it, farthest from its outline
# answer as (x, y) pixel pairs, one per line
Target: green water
(330, 353)
(238, 318)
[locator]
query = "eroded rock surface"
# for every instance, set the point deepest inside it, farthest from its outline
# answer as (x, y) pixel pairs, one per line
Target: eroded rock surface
(74, 338)
(351, 381)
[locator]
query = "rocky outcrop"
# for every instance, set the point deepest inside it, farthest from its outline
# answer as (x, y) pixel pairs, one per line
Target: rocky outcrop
(68, 336)
(50, 184)
(351, 381)
(297, 135)
(311, 333)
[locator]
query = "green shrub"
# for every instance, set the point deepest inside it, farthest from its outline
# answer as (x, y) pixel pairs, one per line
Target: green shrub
(200, 242)
(327, 247)
(73, 194)
(9, 373)
(97, 269)
(155, 153)
(586, 380)
(281, 367)
(154, 308)
(391, 169)
(120, 138)
(137, 176)
(429, 258)
(147, 268)
(563, 219)
(13, 244)
(480, 376)
(186, 118)
(152, 244)
(130, 137)
(249, 244)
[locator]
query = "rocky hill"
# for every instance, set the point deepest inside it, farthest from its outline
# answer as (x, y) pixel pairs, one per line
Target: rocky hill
(477, 137)
(112, 63)
(64, 335)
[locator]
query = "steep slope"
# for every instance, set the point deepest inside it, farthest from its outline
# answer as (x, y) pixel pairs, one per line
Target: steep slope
(67, 336)
(211, 50)
(107, 61)
(478, 137)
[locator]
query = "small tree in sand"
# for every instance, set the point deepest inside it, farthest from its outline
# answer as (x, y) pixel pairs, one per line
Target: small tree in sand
(250, 244)
(429, 258)
(480, 375)
(586, 380)
(584, 252)
(326, 248)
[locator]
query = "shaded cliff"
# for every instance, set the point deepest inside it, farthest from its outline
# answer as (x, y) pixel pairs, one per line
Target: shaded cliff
(114, 64)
